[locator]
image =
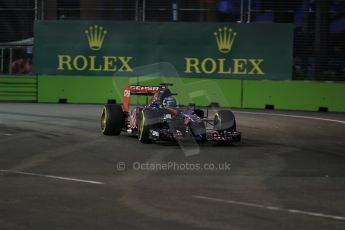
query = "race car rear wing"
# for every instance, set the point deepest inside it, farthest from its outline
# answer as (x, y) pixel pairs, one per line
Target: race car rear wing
(137, 90)
(142, 90)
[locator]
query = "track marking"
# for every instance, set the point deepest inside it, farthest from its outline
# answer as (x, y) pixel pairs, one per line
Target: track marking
(53, 177)
(293, 116)
(6, 134)
(272, 208)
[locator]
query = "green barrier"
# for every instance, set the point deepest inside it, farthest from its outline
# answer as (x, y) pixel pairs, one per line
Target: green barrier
(18, 88)
(284, 95)
(76, 89)
(294, 95)
(101, 89)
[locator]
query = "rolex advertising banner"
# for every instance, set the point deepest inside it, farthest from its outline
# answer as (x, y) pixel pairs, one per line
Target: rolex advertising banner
(211, 50)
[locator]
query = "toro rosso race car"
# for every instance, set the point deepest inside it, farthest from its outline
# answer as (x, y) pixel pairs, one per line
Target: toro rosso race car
(162, 119)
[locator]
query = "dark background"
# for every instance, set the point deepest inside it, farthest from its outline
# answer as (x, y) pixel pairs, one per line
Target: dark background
(319, 38)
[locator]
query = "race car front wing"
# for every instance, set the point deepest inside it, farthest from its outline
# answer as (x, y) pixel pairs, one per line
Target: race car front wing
(173, 135)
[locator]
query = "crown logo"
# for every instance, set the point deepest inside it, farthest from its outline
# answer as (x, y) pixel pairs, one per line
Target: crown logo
(95, 35)
(225, 39)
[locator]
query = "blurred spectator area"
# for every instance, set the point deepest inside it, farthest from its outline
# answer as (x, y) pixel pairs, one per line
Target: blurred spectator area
(319, 38)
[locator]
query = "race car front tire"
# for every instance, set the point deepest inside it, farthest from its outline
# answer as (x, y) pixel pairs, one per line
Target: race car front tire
(224, 120)
(112, 120)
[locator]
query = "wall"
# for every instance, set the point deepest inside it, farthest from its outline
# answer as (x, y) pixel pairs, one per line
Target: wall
(101, 89)
(201, 50)
(18, 88)
(289, 95)
(294, 95)
(283, 95)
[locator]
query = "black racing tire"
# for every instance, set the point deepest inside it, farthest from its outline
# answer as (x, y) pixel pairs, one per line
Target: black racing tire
(149, 119)
(224, 120)
(112, 120)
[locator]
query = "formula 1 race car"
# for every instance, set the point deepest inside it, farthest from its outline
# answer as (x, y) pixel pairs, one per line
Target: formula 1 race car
(162, 119)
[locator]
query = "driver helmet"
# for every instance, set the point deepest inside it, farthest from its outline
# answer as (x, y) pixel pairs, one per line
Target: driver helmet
(169, 102)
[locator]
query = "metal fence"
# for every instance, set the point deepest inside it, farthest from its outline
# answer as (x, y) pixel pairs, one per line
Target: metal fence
(319, 38)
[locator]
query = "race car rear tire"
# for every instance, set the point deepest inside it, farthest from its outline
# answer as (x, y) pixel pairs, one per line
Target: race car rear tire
(149, 119)
(224, 120)
(112, 120)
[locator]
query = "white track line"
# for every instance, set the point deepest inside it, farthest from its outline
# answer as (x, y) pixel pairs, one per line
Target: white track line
(293, 116)
(6, 134)
(52, 177)
(272, 208)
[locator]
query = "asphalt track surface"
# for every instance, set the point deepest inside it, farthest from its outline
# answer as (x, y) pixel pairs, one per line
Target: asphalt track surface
(57, 171)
